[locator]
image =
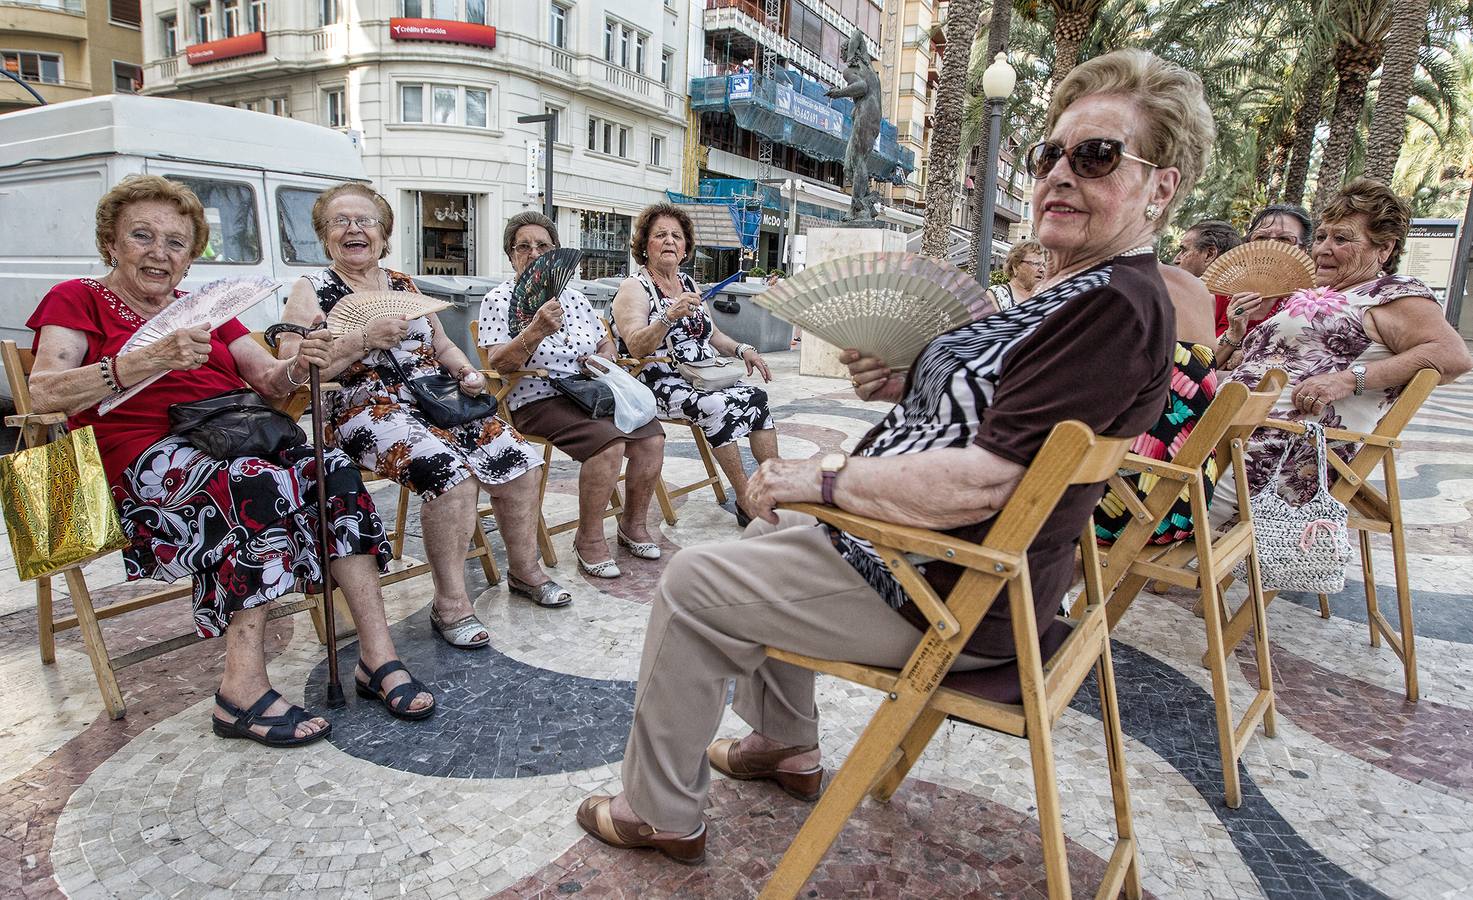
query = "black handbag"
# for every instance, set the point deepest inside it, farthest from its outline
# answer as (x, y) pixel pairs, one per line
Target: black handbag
(236, 423)
(441, 400)
(592, 395)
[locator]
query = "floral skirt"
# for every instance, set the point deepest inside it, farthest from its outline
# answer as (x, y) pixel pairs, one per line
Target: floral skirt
(1193, 385)
(245, 529)
(724, 416)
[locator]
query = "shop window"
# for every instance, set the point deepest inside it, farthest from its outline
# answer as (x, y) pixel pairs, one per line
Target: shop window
(447, 233)
(299, 243)
(230, 210)
(604, 240)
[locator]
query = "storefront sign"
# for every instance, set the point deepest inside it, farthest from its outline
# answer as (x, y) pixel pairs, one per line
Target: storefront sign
(1431, 245)
(807, 111)
(442, 30)
(229, 48)
(771, 220)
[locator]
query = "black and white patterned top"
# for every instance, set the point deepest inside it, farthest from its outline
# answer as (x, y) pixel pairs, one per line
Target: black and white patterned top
(690, 338)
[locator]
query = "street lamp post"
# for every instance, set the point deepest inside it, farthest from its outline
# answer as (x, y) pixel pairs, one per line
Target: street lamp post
(997, 84)
(548, 120)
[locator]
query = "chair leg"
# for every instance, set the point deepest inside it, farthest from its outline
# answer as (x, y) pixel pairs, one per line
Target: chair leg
(869, 759)
(1403, 587)
(1046, 789)
(662, 494)
(1119, 780)
(1368, 576)
(1261, 652)
(1216, 656)
(401, 520)
(544, 539)
(703, 447)
(319, 623)
(911, 748)
(1324, 607)
(1121, 598)
(44, 621)
(102, 666)
(488, 559)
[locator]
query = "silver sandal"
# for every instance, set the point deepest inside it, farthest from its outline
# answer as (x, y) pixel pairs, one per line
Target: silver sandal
(461, 634)
(548, 594)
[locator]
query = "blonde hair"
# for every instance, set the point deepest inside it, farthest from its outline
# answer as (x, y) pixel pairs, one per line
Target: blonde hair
(1179, 130)
(1020, 250)
(144, 189)
(385, 214)
(1387, 216)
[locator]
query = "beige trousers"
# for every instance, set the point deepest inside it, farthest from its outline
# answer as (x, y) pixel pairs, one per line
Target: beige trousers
(716, 610)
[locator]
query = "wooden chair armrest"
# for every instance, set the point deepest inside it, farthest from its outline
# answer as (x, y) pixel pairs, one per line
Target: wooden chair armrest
(21, 421)
(508, 380)
(1136, 463)
(1335, 434)
(909, 539)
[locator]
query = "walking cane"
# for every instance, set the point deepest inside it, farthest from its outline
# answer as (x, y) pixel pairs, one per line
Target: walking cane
(324, 528)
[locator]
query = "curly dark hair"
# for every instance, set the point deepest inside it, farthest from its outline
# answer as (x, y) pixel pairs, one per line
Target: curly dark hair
(1297, 213)
(639, 244)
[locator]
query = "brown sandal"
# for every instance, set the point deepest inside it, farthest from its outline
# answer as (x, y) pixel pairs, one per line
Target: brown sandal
(727, 757)
(597, 818)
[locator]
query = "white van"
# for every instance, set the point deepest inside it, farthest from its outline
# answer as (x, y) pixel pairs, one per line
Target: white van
(257, 176)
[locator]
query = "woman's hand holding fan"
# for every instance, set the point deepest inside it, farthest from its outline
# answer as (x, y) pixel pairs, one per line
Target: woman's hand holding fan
(872, 378)
(541, 282)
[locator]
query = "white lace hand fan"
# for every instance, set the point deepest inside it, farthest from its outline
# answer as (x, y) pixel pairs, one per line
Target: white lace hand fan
(211, 306)
(886, 305)
(357, 310)
(1270, 268)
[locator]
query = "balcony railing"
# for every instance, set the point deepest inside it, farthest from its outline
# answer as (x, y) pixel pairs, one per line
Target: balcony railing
(562, 59)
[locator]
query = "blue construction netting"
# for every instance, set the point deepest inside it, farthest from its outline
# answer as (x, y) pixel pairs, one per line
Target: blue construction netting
(792, 110)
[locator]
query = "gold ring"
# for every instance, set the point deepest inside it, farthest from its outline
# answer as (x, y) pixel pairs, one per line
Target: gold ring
(854, 381)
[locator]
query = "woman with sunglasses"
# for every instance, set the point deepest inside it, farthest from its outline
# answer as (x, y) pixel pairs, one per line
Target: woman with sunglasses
(375, 420)
(1128, 134)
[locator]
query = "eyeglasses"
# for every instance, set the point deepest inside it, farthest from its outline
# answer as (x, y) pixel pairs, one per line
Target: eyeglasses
(536, 249)
(1092, 158)
(145, 240)
(1035, 263)
(363, 222)
(1289, 239)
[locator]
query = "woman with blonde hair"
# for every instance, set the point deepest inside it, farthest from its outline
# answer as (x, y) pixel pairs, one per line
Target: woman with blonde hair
(1024, 268)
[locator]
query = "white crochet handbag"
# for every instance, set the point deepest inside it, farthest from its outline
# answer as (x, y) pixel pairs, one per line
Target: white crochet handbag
(1301, 548)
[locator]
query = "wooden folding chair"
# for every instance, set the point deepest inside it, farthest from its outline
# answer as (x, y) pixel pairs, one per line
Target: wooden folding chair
(87, 616)
(1371, 510)
(1205, 561)
(296, 405)
(1025, 698)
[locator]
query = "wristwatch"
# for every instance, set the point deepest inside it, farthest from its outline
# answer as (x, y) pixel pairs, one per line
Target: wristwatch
(1359, 371)
(831, 465)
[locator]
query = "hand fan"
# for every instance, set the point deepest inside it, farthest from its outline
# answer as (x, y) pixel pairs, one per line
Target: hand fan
(1270, 268)
(887, 305)
(357, 310)
(541, 281)
(209, 307)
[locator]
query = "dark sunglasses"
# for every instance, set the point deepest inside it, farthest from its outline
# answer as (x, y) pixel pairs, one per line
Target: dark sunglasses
(1092, 158)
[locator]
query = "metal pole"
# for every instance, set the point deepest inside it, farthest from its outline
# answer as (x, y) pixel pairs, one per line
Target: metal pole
(32, 91)
(1457, 286)
(547, 163)
(983, 268)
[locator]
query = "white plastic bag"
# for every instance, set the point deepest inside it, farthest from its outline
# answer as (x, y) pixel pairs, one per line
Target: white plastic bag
(634, 404)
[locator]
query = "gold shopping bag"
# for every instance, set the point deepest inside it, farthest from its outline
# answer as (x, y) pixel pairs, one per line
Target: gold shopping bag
(58, 506)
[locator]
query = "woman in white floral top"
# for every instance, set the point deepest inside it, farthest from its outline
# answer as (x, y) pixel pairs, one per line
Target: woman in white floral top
(1352, 343)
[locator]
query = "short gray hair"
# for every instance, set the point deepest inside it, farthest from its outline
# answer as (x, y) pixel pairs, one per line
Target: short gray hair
(523, 219)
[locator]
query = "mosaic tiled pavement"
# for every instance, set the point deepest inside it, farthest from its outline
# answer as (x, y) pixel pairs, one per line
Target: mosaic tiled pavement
(1361, 794)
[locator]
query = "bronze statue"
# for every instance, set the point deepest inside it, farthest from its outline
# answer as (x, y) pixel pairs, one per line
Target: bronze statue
(862, 85)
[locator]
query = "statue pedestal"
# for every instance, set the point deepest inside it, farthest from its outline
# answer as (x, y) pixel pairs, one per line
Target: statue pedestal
(817, 357)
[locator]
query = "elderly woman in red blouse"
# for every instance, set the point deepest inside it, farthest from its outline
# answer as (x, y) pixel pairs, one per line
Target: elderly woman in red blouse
(244, 529)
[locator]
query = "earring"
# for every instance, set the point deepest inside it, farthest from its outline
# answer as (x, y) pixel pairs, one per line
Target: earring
(112, 261)
(1152, 212)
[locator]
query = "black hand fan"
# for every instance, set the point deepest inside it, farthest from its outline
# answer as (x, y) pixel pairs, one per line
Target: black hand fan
(540, 282)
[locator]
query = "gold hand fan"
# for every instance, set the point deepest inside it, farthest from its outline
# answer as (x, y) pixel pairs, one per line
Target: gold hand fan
(886, 305)
(1270, 268)
(357, 310)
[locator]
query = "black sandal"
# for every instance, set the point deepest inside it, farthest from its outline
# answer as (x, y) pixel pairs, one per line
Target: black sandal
(397, 700)
(281, 730)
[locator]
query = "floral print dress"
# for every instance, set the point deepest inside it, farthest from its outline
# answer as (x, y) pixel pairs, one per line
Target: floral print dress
(724, 416)
(1314, 333)
(374, 420)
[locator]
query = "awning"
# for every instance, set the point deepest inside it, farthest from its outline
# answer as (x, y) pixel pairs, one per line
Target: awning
(714, 227)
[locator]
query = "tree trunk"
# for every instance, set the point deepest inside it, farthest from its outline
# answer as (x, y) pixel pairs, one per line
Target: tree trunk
(951, 89)
(1306, 120)
(998, 27)
(1354, 64)
(1072, 21)
(1389, 121)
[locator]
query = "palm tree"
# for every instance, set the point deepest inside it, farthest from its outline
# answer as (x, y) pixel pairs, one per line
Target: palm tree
(951, 89)
(1306, 120)
(1388, 125)
(1072, 22)
(1359, 28)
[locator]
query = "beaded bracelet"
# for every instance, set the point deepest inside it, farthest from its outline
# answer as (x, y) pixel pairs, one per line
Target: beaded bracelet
(1224, 339)
(108, 367)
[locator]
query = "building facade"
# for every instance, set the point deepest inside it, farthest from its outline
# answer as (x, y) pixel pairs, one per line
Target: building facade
(69, 49)
(432, 90)
(737, 108)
